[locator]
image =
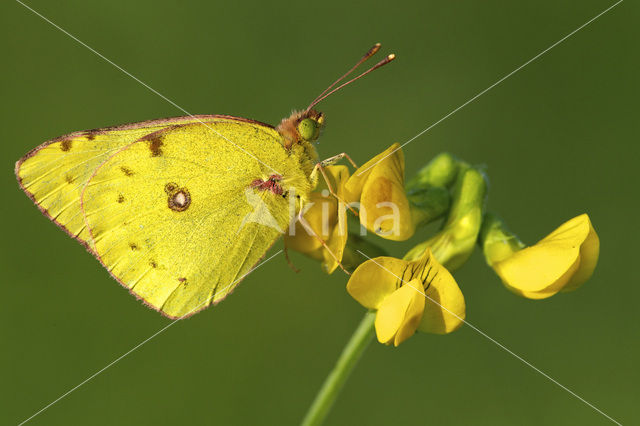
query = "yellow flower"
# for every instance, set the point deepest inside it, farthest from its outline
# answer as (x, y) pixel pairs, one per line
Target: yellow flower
(409, 296)
(327, 218)
(376, 189)
(378, 186)
(562, 261)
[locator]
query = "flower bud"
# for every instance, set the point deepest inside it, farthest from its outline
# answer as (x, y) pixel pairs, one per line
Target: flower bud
(453, 245)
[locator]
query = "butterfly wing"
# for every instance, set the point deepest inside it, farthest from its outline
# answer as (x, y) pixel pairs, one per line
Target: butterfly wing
(174, 217)
(54, 174)
(167, 206)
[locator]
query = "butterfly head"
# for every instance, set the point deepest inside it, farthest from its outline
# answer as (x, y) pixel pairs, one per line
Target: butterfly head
(304, 126)
(301, 127)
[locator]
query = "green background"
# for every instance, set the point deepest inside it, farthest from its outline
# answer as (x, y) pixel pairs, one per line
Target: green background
(559, 138)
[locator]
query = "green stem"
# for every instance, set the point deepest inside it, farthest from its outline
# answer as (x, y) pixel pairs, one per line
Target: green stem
(338, 376)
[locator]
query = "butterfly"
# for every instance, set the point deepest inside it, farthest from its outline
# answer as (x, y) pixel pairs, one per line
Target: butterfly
(179, 210)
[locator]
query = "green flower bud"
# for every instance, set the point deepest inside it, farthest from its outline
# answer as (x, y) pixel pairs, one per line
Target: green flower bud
(429, 204)
(453, 245)
(441, 171)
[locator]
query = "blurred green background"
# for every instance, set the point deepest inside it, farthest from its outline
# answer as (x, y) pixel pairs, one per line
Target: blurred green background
(559, 138)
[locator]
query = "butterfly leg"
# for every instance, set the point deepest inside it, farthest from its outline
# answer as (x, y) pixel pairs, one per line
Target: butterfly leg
(320, 167)
(313, 233)
(332, 160)
(286, 255)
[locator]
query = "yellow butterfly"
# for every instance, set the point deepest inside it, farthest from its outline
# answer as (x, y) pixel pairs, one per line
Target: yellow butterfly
(179, 210)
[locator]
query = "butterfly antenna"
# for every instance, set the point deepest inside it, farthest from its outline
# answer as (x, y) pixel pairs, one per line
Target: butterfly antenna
(366, 56)
(385, 61)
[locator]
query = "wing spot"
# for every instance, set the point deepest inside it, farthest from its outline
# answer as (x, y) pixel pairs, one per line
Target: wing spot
(65, 145)
(183, 281)
(170, 187)
(127, 171)
(155, 144)
(120, 198)
(179, 198)
(69, 178)
(153, 264)
(90, 134)
(133, 246)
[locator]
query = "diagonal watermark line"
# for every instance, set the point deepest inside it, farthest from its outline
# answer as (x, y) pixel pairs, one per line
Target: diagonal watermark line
(496, 83)
(144, 84)
(124, 355)
(500, 345)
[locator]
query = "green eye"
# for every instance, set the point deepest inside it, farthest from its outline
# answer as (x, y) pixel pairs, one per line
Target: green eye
(309, 129)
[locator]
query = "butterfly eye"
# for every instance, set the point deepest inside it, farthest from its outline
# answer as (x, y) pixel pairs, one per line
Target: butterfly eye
(309, 129)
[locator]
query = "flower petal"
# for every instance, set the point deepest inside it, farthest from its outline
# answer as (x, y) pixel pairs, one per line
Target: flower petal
(444, 309)
(413, 314)
(539, 267)
(353, 186)
(550, 290)
(384, 208)
(589, 252)
(338, 176)
(400, 313)
(564, 258)
(374, 280)
(306, 243)
(573, 232)
(337, 241)
(379, 187)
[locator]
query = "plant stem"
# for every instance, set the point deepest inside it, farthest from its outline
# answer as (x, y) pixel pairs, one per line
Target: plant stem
(338, 376)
